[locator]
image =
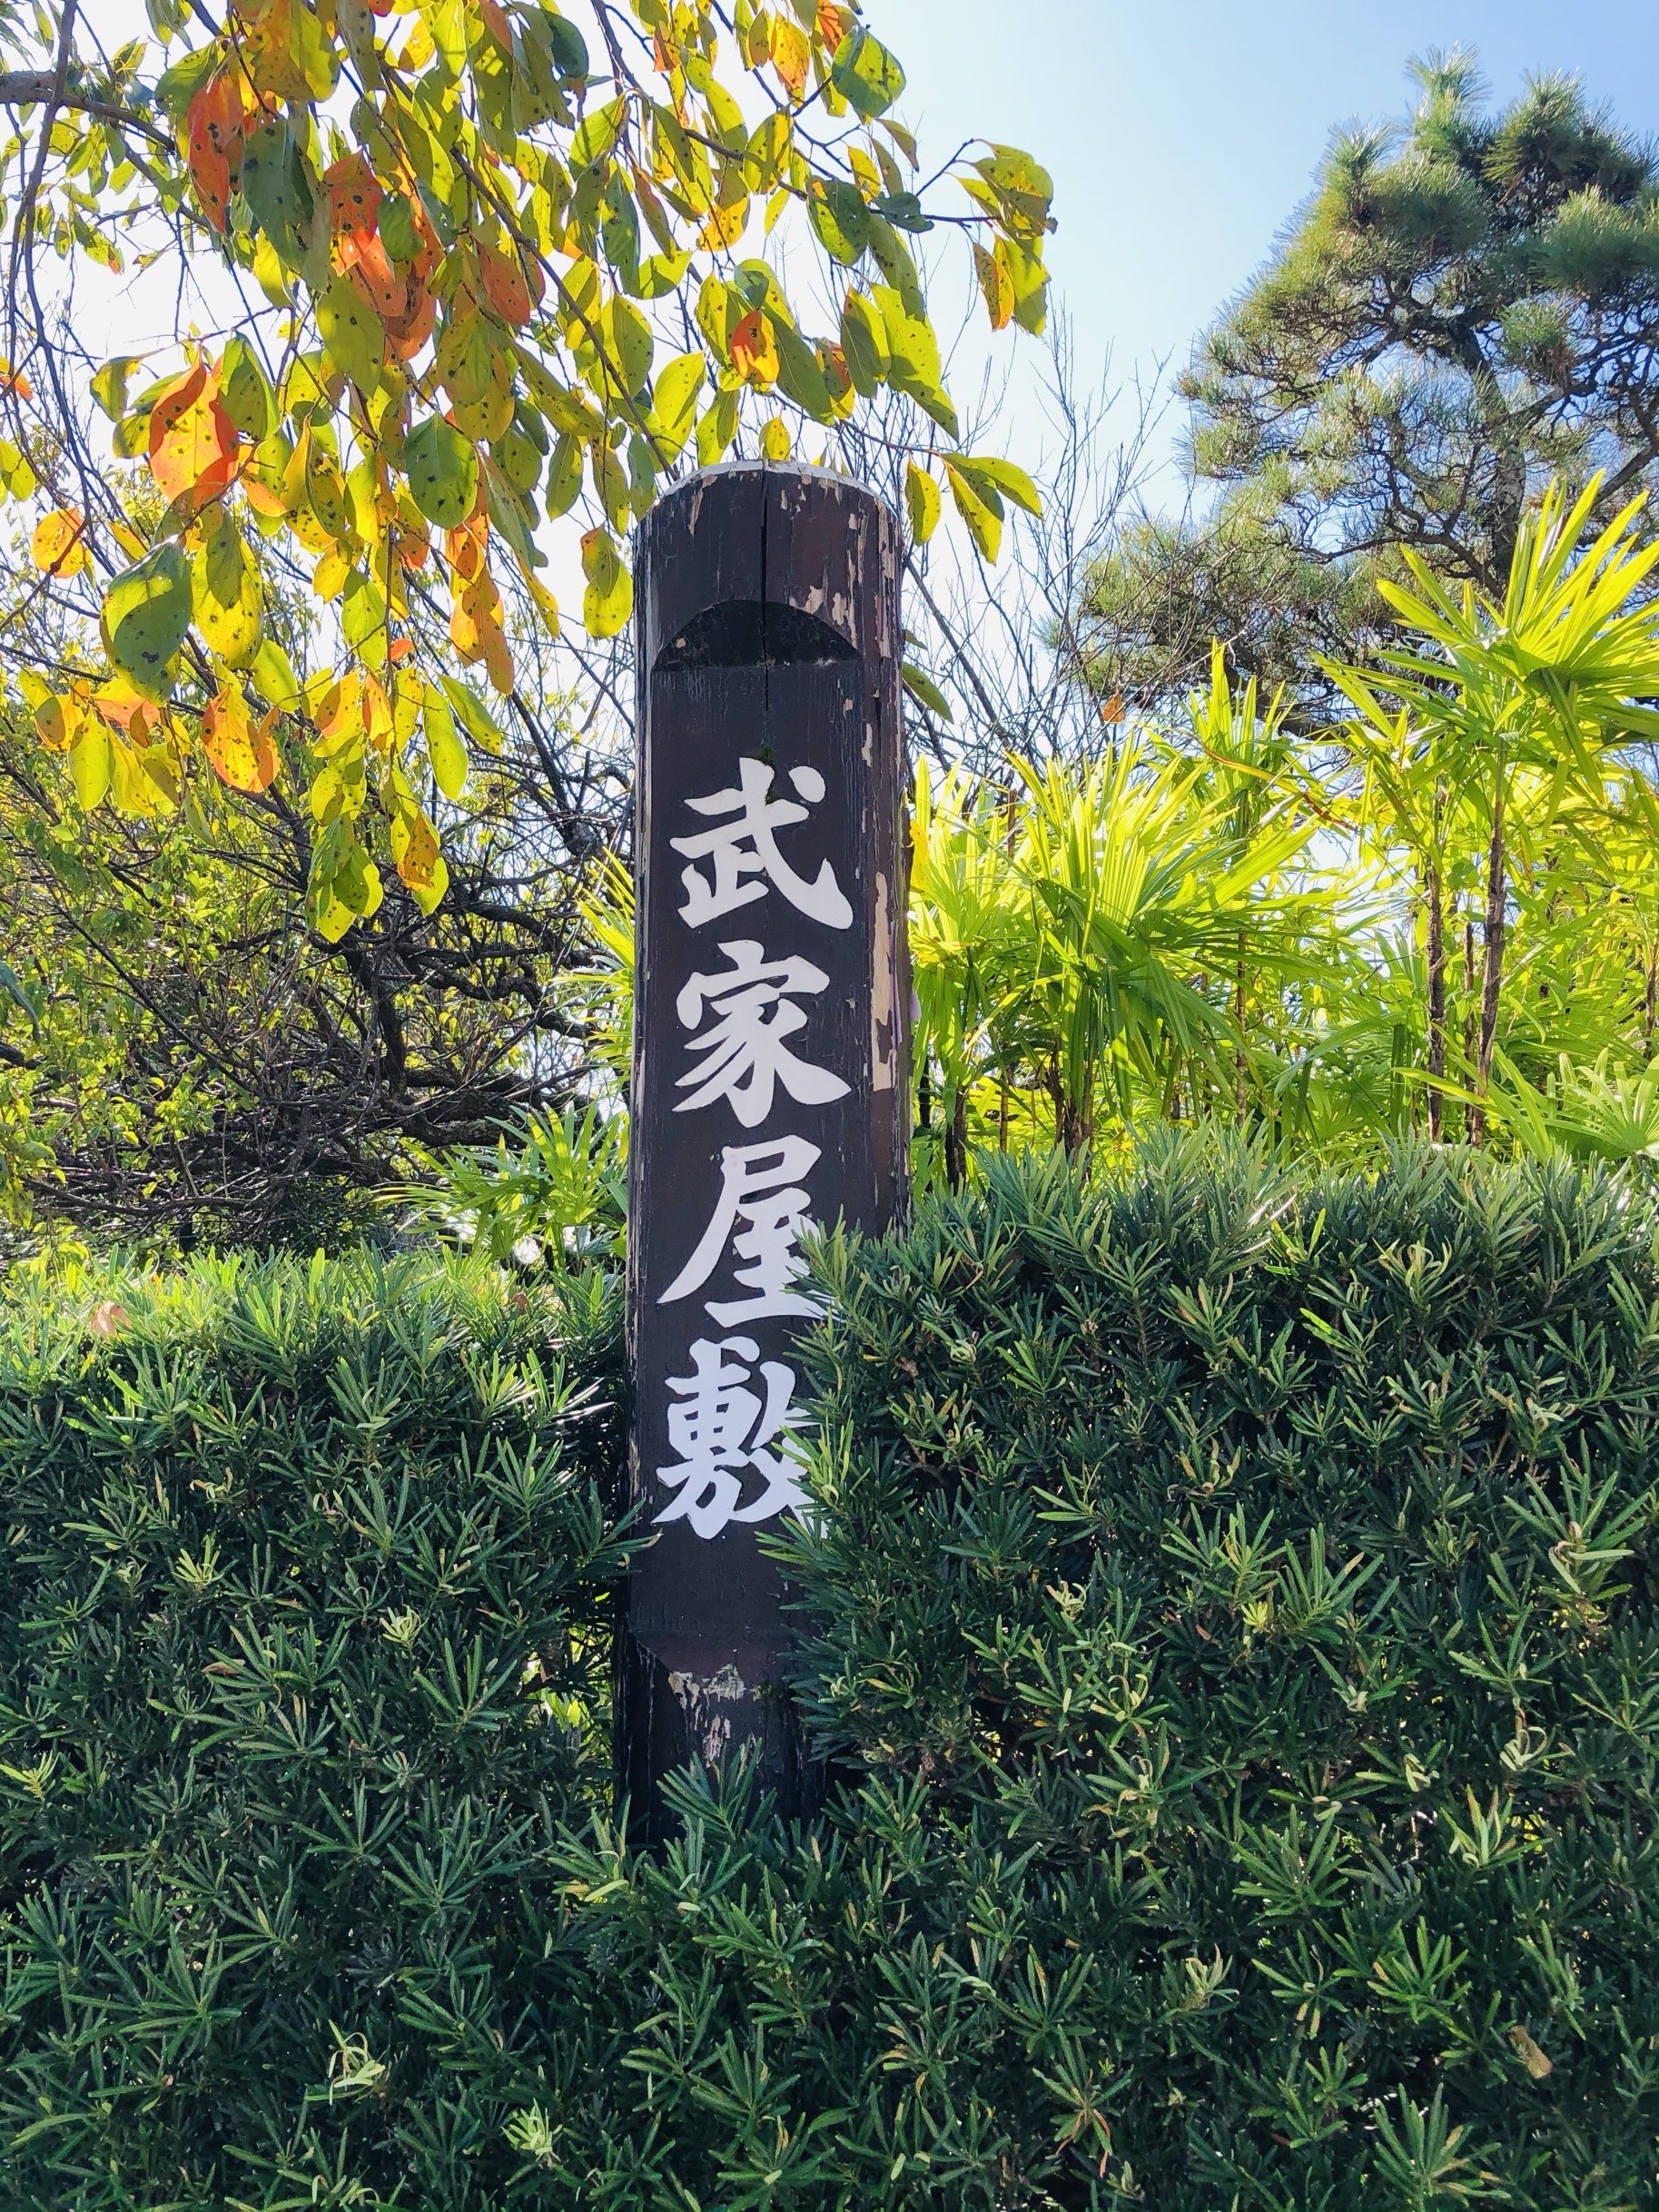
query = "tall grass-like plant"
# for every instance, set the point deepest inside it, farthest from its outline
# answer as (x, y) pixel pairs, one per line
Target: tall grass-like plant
(1506, 716)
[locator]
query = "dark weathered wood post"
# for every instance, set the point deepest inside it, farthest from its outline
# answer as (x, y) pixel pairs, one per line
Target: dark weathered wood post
(770, 1085)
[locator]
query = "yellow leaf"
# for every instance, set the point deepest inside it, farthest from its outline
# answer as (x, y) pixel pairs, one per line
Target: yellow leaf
(89, 761)
(791, 56)
(725, 225)
(608, 600)
(922, 502)
(58, 546)
(996, 282)
(329, 577)
(983, 520)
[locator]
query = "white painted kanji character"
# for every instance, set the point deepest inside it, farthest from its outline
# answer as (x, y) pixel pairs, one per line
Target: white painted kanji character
(760, 1213)
(721, 1430)
(744, 849)
(744, 1053)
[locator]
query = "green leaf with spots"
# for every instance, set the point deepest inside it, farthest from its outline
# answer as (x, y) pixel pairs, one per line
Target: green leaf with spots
(608, 600)
(146, 615)
(278, 191)
(229, 600)
(866, 75)
(979, 507)
(444, 748)
(353, 339)
(443, 472)
(992, 477)
(863, 345)
(245, 394)
(914, 359)
(839, 218)
(922, 502)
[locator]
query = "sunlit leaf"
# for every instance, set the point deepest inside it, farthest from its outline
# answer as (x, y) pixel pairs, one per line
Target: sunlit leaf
(240, 749)
(979, 508)
(90, 762)
(146, 615)
(353, 337)
(444, 747)
(922, 502)
(229, 600)
(608, 600)
(193, 441)
(866, 75)
(58, 544)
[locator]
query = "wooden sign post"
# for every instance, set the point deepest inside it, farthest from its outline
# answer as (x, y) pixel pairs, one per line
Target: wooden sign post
(770, 1087)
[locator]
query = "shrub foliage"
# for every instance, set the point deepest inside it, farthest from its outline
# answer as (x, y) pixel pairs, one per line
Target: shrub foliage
(281, 1545)
(1250, 1595)
(1233, 1612)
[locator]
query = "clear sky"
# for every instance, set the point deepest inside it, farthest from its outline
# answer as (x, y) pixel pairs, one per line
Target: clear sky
(1182, 134)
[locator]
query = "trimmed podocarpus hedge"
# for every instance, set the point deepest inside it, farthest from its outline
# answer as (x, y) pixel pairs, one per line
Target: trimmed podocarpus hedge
(1234, 1607)
(304, 1588)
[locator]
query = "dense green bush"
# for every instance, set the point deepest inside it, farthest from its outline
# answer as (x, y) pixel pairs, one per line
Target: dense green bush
(1234, 1611)
(275, 1793)
(1248, 1598)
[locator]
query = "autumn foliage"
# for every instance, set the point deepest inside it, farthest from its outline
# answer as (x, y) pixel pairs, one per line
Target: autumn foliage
(475, 279)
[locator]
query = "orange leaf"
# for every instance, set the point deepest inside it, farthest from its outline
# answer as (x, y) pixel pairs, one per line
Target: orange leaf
(125, 710)
(754, 348)
(241, 750)
(464, 547)
(354, 199)
(57, 545)
(833, 24)
(997, 285)
(215, 129)
(341, 714)
(370, 270)
(13, 381)
(498, 660)
(408, 332)
(497, 24)
(193, 443)
(108, 1318)
(504, 286)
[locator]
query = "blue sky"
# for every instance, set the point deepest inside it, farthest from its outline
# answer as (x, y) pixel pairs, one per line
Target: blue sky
(1181, 133)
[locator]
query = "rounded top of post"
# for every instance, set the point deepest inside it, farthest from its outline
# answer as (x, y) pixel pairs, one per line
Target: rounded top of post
(726, 477)
(780, 534)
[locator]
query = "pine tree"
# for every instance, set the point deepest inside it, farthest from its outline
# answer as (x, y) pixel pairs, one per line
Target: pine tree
(1468, 303)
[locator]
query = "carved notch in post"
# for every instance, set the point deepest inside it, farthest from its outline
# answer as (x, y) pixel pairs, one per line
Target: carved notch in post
(770, 1085)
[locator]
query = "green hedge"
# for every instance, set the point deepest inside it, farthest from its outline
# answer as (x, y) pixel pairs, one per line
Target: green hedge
(1234, 1612)
(275, 1791)
(1253, 1593)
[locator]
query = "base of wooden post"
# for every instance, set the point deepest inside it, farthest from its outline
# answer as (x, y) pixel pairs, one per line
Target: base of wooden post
(716, 1704)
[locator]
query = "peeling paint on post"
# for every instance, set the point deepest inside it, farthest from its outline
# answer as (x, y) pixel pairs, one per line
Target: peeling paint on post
(770, 1086)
